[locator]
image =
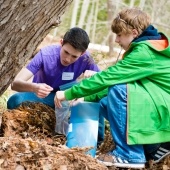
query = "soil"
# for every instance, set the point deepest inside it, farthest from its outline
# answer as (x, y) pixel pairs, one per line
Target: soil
(28, 142)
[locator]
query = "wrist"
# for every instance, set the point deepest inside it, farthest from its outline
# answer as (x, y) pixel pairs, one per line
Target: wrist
(33, 87)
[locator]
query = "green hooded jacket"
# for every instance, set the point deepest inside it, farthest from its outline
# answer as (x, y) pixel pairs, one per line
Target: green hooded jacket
(145, 68)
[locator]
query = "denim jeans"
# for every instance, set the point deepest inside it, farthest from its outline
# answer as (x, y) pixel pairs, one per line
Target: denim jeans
(114, 109)
(16, 99)
(101, 130)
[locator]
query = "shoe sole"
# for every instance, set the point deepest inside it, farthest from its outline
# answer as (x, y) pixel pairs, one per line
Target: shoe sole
(120, 165)
(162, 152)
(160, 157)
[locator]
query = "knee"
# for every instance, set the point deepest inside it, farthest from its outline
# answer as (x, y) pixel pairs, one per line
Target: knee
(14, 101)
(116, 92)
(117, 87)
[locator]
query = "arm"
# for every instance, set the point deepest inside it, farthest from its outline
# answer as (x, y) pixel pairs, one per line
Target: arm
(136, 65)
(97, 96)
(21, 84)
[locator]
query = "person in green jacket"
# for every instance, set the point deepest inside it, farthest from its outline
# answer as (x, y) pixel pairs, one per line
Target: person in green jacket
(134, 93)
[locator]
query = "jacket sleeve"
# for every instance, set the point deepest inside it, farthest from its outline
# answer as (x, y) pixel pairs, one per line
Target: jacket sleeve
(97, 96)
(137, 64)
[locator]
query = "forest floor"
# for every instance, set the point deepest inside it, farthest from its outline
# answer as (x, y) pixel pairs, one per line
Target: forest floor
(28, 142)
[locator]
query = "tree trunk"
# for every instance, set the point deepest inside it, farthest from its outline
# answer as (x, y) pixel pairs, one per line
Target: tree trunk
(74, 13)
(110, 10)
(95, 20)
(23, 25)
(84, 7)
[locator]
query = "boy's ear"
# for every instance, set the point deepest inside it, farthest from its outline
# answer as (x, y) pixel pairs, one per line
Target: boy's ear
(61, 41)
(135, 33)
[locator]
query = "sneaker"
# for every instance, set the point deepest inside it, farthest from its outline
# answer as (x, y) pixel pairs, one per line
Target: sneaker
(160, 153)
(111, 160)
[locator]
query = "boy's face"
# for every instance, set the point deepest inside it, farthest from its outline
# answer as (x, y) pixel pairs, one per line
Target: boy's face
(124, 40)
(69, 54)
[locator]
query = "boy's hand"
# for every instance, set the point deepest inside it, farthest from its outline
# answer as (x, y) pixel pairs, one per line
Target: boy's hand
(59, 97)
(89, 73)
(42, 90)
(76, 101)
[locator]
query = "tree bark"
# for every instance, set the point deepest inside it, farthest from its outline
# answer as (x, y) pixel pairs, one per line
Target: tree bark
(23, 25)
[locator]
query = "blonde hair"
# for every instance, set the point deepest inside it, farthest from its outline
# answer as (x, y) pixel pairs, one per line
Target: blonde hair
(129, 19)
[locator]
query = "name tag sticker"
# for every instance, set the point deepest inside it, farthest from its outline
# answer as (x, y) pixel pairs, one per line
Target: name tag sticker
(67, 75)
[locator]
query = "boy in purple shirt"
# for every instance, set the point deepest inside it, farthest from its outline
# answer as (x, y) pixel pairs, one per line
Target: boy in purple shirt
(52, 67)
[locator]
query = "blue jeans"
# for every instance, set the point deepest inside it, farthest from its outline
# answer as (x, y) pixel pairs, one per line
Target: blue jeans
(114, 108)
(101, 130)
(16, 100)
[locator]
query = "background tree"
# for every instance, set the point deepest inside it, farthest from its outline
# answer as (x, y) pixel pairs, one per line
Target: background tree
(23, 25)
(102, 12)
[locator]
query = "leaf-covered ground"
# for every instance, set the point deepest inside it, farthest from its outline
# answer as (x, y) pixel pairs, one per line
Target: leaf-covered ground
(28, 142)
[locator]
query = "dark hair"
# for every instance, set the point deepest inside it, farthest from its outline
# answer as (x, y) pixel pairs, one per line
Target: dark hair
(78, 38)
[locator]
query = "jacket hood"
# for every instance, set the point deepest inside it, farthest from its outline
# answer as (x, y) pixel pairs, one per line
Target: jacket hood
(150, 33)
(155, 40)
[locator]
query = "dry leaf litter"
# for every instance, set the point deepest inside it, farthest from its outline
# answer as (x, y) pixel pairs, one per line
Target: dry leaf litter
(28, 142)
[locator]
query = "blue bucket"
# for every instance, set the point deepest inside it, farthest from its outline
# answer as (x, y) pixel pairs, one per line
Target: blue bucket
(83, 126)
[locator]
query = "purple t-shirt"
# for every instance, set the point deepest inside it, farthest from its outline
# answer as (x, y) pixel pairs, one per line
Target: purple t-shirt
(47, 68)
